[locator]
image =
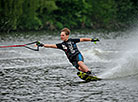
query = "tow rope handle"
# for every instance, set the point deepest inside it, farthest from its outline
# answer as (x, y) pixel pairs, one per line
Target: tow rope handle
(25, 45)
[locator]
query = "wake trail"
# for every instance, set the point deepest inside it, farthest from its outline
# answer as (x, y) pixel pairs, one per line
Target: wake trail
(127, 63)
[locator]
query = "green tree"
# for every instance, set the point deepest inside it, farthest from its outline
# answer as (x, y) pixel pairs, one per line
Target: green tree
(103, 14)
(56, 14)
(45, 13)
(73, 13)
(10, 12)
(29, 19)
(127, 11)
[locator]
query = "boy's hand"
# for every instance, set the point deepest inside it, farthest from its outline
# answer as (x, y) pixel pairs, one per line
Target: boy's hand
(94, 39)
(39, 44)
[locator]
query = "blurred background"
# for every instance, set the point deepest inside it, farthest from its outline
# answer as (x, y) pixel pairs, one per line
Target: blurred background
(25, 15)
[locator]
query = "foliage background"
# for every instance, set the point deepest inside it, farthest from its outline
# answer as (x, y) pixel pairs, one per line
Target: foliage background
(75, 14)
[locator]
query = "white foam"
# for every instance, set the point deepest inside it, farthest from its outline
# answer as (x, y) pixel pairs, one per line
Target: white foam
(95, 55)
(125, 66)
(127, 63)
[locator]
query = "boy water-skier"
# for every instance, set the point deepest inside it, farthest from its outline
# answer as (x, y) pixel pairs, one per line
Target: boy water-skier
(70, 48)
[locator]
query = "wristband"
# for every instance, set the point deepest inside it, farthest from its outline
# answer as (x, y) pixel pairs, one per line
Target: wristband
(94, 40)
(39, 44)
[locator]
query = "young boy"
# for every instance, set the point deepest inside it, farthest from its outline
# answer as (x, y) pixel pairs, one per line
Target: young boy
(70, 48)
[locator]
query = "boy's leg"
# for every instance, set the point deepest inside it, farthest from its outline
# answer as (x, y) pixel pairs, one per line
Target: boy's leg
(83, 67)
(79, 64)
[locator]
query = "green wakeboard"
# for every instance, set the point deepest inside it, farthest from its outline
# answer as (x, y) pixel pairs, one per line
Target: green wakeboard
(87, 77)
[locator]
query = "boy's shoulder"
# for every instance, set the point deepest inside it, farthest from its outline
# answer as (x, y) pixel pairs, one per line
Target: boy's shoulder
(74, 40)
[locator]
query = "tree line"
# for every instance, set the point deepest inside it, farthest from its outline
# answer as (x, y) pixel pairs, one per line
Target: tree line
(76, 14)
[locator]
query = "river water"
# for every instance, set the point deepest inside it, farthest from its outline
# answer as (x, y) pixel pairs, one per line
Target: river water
(47, 75)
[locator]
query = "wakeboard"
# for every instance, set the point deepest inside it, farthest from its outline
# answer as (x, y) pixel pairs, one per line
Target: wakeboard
(87, 77)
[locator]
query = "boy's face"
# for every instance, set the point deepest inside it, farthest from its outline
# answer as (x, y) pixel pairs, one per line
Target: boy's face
(63, 36)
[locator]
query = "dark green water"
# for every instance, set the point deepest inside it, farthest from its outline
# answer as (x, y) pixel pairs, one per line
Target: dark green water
(47, 75)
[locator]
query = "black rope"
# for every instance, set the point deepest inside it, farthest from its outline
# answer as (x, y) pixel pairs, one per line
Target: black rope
(34, 49)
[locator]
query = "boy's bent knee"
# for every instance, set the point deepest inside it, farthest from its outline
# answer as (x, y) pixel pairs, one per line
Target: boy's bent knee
(80, 62)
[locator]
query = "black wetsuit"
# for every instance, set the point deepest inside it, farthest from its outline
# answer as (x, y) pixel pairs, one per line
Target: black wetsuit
(71, 50)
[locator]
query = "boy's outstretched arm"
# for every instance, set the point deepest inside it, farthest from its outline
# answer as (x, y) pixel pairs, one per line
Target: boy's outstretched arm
(50, 45)
(89, 39)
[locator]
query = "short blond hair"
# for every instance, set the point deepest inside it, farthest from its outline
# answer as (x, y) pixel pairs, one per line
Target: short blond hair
(66, 30)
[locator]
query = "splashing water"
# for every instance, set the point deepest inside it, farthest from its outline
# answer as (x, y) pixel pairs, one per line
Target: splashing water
(127, 63)
(126, 66)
